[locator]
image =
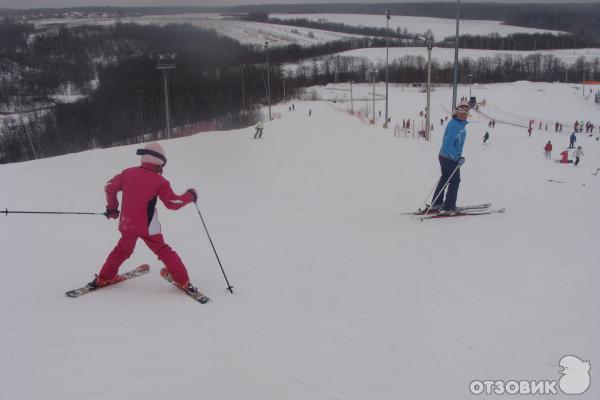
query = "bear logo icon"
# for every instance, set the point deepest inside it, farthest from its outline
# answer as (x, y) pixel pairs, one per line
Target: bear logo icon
(575, 377)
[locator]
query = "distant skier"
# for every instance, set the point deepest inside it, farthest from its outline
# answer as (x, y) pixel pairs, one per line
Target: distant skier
(141, 187)
(486, 137)
(548, 150)
(450, 158)
(259, 130)
(310, 112)
(577, 154)
(564, 157)
(529, 130)
(572, 140)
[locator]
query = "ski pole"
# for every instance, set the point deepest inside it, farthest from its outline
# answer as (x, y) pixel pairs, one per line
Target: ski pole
(6, 212)
(429, 194)
(229, 287)
(444, 188)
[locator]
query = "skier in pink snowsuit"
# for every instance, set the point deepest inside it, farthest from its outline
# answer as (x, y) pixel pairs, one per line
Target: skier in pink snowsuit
(141, 187)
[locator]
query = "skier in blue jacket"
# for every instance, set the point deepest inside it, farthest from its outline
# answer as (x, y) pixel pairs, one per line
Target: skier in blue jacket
(451, 159)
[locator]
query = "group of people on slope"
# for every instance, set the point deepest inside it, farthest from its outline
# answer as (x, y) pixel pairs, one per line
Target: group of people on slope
(564, 155)
(143, 185)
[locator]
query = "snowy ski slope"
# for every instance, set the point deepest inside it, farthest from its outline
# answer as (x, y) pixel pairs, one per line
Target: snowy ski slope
(337, 295)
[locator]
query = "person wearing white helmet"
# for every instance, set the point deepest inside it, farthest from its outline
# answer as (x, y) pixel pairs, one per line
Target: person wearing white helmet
(141, 187)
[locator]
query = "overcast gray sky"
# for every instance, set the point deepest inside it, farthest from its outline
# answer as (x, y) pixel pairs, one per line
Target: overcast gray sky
(128, 3)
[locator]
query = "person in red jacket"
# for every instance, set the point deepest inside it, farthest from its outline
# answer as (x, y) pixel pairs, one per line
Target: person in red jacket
(138, 219)
(565, 157)
(548, 150)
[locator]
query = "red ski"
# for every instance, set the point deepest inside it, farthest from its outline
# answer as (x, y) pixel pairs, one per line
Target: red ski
(192, 291)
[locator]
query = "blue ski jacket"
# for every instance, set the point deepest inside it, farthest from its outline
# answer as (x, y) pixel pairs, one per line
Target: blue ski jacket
(454, 139)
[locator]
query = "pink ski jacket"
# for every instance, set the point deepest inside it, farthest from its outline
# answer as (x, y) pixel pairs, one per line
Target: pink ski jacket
(141, 186)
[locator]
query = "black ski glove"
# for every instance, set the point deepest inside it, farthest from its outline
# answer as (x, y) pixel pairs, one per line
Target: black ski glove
(193, 193)
(113, 214)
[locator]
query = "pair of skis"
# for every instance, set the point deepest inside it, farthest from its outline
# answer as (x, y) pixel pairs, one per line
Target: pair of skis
(471, 210)
(134, 273)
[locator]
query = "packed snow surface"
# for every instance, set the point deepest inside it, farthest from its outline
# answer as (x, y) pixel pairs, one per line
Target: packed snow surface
(257, 33)
(445, 55)
(337, 295)
(440, 27)
(245, 32)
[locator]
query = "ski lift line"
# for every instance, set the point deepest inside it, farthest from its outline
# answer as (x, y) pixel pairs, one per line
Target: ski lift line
(495, 119)
(501, 121)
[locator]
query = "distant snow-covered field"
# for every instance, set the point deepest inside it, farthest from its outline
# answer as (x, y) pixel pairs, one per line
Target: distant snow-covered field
(245, 32)
(441, 27)
(444, 55)
(257, 33)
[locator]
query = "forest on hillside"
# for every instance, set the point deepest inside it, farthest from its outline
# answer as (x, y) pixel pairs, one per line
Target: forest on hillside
(70, 89)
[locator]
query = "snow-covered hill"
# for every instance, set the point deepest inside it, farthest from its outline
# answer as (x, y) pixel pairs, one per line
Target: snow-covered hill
(446, 55)
(248, 32)
(337, 295)
(441, 27)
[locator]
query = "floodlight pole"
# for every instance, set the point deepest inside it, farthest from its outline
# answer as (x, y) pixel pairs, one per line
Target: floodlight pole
(166, 62)
(428, 115)
(243, 90)
(351, 99)
(454, 86)
(268, 81)
(387, 71)
(470, 83)
(140, 90)
(373, 78)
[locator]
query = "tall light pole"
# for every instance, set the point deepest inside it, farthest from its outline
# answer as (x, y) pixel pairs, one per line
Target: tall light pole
(351, 99)
(373, 78)
(454, 86)
(139, 89)
(470, 83)
(428, 109)
(387, 71)
(165, 63)
(268, 81)
(243, 90)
